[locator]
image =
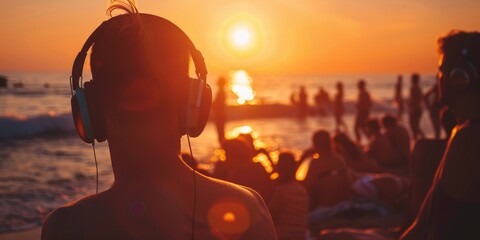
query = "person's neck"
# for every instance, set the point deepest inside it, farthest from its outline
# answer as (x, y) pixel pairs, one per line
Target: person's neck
(146, 161)
(467, 108)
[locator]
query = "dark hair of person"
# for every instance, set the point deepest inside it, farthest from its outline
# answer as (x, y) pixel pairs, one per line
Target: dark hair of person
(350, 147)
(321, 140)
(373, 125)
(286, 167)
(389, 121)
(415, 78)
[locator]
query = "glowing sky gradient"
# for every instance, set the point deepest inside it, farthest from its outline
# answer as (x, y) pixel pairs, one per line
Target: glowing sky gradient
(301, 36)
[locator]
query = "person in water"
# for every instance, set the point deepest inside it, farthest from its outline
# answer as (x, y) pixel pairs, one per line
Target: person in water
(140, 95)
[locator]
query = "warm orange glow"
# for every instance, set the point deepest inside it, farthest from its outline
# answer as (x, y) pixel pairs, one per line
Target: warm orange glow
(241, 86)
(239, 130)
(229, 217)
(302, 170)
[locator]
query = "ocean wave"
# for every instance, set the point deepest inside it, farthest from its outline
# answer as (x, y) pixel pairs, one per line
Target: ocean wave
(48, 124)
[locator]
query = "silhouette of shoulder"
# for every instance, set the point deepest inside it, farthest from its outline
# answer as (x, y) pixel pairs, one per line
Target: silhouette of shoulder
(461, 175)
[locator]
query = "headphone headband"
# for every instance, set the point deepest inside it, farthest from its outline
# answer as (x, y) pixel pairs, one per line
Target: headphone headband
(77, 68)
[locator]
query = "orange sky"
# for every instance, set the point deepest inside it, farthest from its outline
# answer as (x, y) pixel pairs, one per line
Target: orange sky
(301, 36)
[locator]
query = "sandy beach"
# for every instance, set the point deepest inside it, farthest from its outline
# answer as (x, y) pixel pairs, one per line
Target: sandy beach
(31, 234)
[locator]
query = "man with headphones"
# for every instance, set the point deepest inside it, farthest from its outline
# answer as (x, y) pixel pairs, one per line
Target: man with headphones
(141, 100)
(451, 209)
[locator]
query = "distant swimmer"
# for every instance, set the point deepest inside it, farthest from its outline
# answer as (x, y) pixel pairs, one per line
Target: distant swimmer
(398, 97)
(339, 109)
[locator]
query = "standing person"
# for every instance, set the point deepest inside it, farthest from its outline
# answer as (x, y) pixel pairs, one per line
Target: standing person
(415, 107)
(398, 97)
(434, 106)
(139, 101)
(452, 206)
(302, 102)
(218, 110)
(338, 109)
(364, 105)
(289, 202)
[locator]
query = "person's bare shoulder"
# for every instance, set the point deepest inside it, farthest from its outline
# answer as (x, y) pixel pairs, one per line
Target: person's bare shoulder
(461, 174)
(59, 224)
(235, 210)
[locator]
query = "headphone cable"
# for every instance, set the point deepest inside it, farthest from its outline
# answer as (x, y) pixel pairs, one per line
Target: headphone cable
(96, 164)
(194, 190)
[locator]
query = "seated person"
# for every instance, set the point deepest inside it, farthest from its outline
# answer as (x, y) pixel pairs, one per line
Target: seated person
(138, 101)
(400, 140)
(241, 168)
(327, 179)
(380, 148)
(353, 155)
(289, 202)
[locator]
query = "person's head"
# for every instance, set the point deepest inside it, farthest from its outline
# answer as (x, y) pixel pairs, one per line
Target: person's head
(321, 140)
(372, 127)
(221, 82)
(339, 86)
(140, 66)
(399, 79)
(286, 167)
(415, 79)
(345, 146)
(237, 151)
(459, 66)
(389, 121)
(361, 84)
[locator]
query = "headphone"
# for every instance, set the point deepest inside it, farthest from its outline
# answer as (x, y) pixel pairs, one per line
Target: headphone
(464, 67)
(87, 115)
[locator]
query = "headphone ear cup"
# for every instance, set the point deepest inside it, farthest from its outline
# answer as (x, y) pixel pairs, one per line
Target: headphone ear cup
(204, 112)
(199, 101)
(81, 116)
(97, 119)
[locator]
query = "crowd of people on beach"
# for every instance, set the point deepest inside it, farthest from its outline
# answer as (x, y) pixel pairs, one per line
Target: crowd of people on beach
(344, 183)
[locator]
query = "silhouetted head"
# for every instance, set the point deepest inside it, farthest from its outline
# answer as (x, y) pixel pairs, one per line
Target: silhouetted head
(339, 86)
(361, 84)
(140, 66)
(372, 127)
(389, 121)
(286, 167)
(415, 79)
(237, 151)
(221, 82)
(346, 146)
(321, 140)
(459, 65)
(399, 79)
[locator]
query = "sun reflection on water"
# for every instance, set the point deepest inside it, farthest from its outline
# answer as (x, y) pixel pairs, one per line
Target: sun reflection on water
(241, 86)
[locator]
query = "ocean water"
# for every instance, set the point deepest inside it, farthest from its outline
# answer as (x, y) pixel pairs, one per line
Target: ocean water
(43, 163)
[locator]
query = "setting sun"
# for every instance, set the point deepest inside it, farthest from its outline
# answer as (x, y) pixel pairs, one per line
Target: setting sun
(241, 37)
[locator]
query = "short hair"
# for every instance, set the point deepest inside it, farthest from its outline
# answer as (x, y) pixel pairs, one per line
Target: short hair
(373, 125)
(286, 166)
(321, 139)
(389, 121)
(461, 44)
(138, 50)
(415, 78)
